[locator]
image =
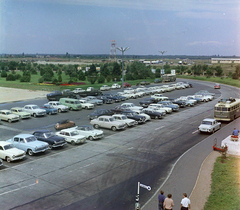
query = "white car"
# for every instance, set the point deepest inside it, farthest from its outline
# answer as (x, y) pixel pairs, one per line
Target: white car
(85, 104)
(131, 106)
(107, 122)
(124, 119)
(72, 136)
(141, 113)
(89, 132)
(78, 90)
(159, 97)
(10, 153)
(160, 107)
(34, 110)
(188, 99)
(116, 86)
(209, 125)
(6, 115)
(58, 106)
(105, 87)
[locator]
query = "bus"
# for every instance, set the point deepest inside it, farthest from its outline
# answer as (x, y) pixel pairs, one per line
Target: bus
(227, 109)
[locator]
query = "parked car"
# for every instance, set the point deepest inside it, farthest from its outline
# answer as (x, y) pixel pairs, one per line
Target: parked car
(105, 99)
(49, 109)
(34, 110)
(85, 104)
(105, 87)
(72, 136)
(99, 112)
(28, 143)
(89, 132)
(116, 86)
(179, 102)
(78, 90)
(107, 122)
(157, 81)
(131, 106)
(144, 83)
(146, 102)
(204, 92)
(63, 124)
(113, 97)
(217, 86)
(153, 114)
(169, 104)
(159, 97)
(93, 100)
(10, 153)
(133, 115)
(58, 106)
(19, 111)
(6, 115)
(141, 113)
(209, 125)
(50, 138)
(160, 107)
(119, 109)
(124, 119)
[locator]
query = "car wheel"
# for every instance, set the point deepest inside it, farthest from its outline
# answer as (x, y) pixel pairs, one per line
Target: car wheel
(49, 113)
(8, 159)
(156, 117)
(59, 110)
(90, 138)
(50, 146)
(96, 126)
(73, 142)
(30, 152)
(71, 108)
(114, 128)
(34, 115)
(9, 120)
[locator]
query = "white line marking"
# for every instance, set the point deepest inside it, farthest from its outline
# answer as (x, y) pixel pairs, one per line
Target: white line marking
(159, 128)
(195, 131)
(18, 189)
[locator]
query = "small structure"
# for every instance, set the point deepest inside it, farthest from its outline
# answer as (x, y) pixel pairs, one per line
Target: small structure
(233, 144)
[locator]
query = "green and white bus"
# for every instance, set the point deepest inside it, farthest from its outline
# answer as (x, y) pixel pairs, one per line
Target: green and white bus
(227, 109)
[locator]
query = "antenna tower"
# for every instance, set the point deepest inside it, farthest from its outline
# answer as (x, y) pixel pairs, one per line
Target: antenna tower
(113, 51)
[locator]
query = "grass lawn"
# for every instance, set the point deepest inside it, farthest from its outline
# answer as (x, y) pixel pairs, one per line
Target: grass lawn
(225, 189)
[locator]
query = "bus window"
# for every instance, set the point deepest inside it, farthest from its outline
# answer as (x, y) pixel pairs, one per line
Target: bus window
(224, 109)
(218, 109)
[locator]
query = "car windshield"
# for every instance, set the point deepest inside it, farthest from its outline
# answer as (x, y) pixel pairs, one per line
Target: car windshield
(35, 107)
(74, 133)
(18, 110)
(9, 146)
(124, 117)
(30, 139)
(49, 134)
(112, 119)
(7, 113)
(57, 104)
(206, 123)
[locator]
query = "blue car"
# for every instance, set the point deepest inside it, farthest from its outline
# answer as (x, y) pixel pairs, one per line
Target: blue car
(29, 144)
(49, 109)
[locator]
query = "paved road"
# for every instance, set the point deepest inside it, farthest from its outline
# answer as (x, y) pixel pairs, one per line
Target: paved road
(101, 174)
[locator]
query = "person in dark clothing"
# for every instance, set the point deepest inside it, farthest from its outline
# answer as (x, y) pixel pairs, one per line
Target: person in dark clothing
(161, 198)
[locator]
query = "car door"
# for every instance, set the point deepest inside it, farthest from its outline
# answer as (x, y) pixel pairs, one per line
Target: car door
(106, 123)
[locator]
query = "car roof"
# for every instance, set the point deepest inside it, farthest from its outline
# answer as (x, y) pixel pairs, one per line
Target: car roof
(24, 135)
(5, 110)
(3, 143)
(16, 107)
(105, 116)
(209, 119)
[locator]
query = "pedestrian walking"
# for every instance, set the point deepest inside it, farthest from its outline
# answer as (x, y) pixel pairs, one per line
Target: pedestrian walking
(161, 198)
(168, 202)
(235, 132)
(185, 203)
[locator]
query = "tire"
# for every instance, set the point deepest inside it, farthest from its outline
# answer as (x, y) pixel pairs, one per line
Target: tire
(49, 113)
(71, 108)
(96, 126)
(204, 100)
(50, 146)
(34, 115)
(113, 128)
(8, 159)
(73, 143)
(9, 120)
(90, 138)
(59, 110)
(30, 152)
(156, 117)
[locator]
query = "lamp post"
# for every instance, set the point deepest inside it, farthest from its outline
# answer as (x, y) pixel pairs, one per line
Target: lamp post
(122, 49)
(162, 59)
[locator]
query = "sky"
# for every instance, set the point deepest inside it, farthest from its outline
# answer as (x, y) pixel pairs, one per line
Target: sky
(180, 27)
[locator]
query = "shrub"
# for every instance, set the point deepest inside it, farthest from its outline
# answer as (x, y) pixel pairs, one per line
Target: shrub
(101, 79)
(25, 79)
(41, 80)
(10, 77)
(18, 76)
(3, 74)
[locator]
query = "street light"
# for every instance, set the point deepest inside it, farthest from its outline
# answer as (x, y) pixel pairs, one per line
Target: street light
(162, 59)
(122, 49)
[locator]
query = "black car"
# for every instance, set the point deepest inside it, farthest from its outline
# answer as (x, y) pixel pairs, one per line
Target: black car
(50, 138)
(153, 114)
(99, 112)
(157, 80)
(119, 109)
(145, 103)
(123, 98)
(144, 83)
(133, 115)
(105, 99)
(113, 97)
(180, 103)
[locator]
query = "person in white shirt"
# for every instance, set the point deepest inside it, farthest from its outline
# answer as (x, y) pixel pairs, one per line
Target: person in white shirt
(185, 203)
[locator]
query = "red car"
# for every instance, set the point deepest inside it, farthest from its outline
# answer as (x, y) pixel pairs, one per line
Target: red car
(217, 86)
(127, 84)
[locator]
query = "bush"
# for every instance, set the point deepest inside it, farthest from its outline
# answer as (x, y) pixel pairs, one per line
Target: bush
(108, 78)
(10, 77)
(41, 80)
(3, 74)
(54, 80)
(18, 76)
(101, 79)
(25, 79)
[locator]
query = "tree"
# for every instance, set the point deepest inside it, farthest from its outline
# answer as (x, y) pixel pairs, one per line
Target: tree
(236, 74)
(219, 71)
(3, 73)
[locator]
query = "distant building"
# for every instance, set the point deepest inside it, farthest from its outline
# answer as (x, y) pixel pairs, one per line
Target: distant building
(225, 60)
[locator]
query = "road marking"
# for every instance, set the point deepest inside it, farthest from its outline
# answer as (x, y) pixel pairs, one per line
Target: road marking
(195, 131)
(19, 188)
(159, 128)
